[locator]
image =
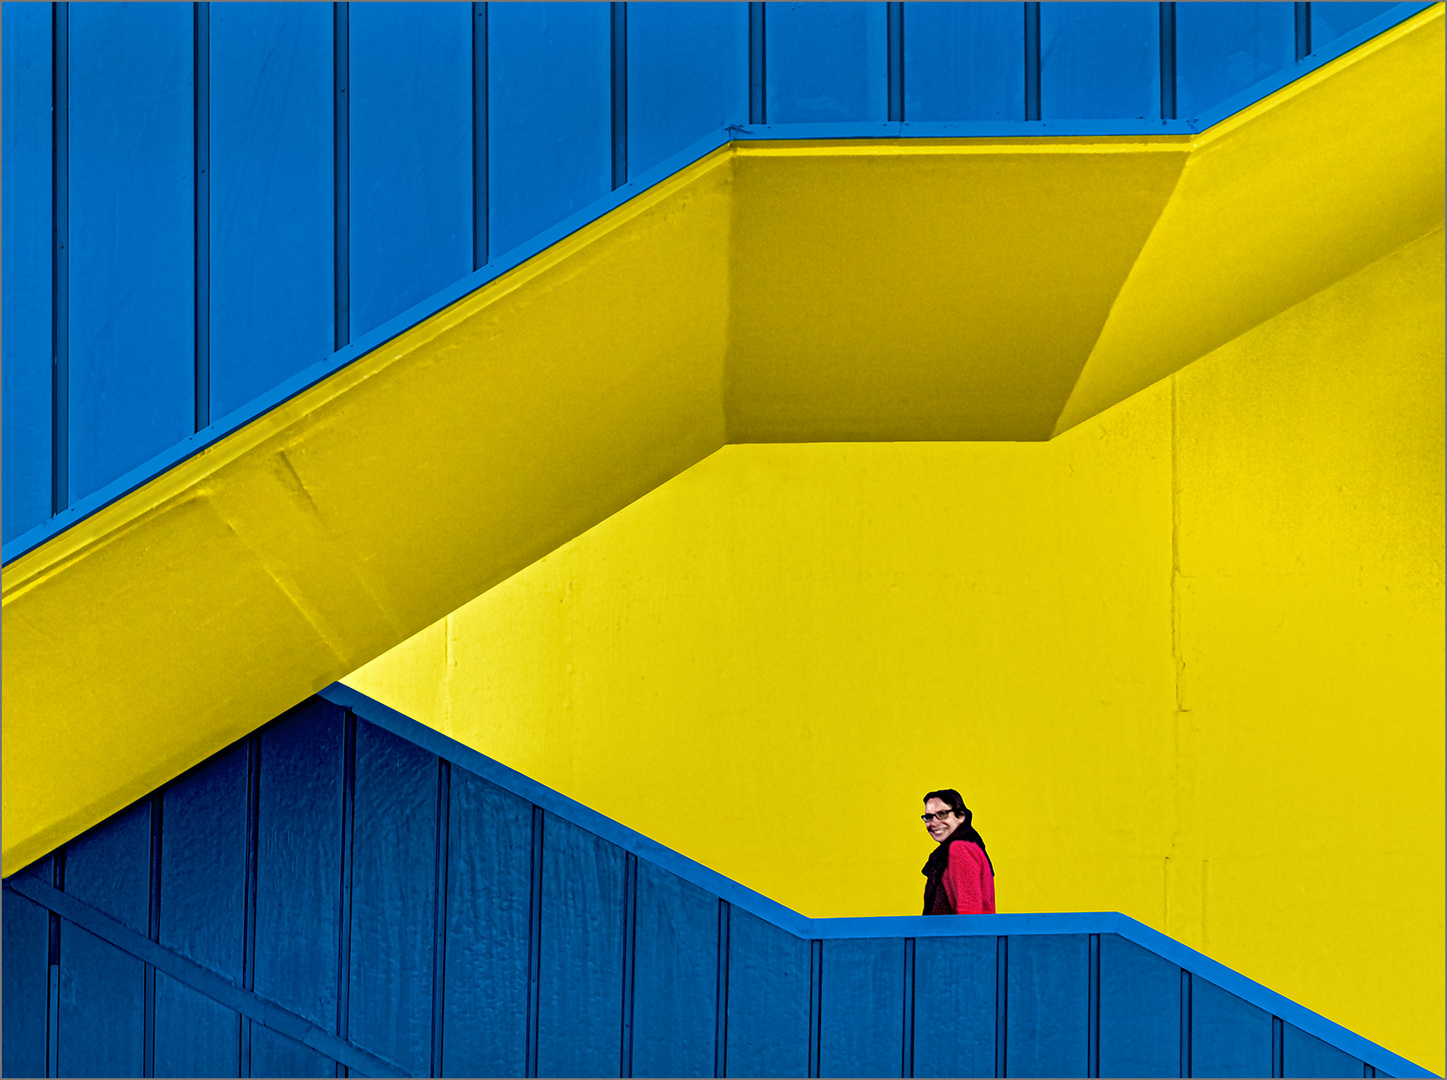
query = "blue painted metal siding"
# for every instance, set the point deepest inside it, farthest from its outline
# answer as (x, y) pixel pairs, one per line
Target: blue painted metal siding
(346, 891)
(220, 202)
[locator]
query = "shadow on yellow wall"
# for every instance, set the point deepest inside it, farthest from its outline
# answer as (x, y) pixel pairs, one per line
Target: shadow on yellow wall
(1184, 660)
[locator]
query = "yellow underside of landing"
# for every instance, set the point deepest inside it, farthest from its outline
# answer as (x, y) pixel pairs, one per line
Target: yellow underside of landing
(905, 290)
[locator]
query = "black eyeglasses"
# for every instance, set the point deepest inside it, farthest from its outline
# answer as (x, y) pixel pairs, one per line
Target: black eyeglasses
(927, 818)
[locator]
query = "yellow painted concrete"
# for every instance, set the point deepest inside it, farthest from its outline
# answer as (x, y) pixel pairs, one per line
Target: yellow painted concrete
(1185, 660)
(886, 290)
(1276, 203)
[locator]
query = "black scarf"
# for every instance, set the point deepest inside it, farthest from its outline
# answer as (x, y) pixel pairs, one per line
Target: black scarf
(939, 858)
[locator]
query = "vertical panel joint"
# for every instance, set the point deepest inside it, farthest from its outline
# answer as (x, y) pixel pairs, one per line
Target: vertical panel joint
(757, 74)
(341, 176)
(1092, 1022)
(439, 910)
(721, 994)
(894, 38)
(1002, 1002)
(1168, 61)
(201, 173)
(60, 259)
(1032, 61)
(906, 1063)
(1185, 1022)
(1303, 31)
(619, 69)
(535, 925)
(816, 1000)
(480, 198)
(344, 900)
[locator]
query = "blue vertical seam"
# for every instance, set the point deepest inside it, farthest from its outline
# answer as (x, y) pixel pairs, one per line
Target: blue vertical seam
(1092, 1009)
(1278, 1038)
(60, 258)
(341, 177)
(439, 909)
(894, 48)
(153, 931)
(1032, 61)
(816, 1000)
(618, 73)
(1185, 1022)
(535, 932)
(248, 909)
(1168, 61)
(479, 137)
(757, 73)
(201, 85)
(1303, 32)
(344, 898)
(1002, 1000)
(721, 993)
(52, 1005)
(906, 1063)
(630, 931)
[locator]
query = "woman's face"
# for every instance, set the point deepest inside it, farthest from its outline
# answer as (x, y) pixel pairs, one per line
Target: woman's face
(944, 822)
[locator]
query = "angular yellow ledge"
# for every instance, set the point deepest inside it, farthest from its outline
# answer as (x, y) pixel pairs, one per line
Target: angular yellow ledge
(871, 290)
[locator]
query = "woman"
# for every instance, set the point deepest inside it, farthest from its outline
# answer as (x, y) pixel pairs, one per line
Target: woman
(959, 877)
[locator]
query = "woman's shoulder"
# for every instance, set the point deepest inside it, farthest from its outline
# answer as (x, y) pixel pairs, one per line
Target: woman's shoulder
(968, 848)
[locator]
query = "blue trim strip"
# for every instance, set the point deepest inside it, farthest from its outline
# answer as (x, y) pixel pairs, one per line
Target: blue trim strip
(889, 926)
(347, 352)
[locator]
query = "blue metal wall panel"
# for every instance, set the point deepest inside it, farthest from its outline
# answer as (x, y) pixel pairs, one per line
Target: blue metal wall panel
(270, 196)
(26, 962)
(485, 997)
(825, 63)
(549, 115)
(688, 76)
(195, 1036)
(109, 868)
(1100, 60)
(25, 146)
(580, 973)
(1140, 1011)
(132, 255)
(102, 1008)
(276, 1055)
(1331, 21)
(768, 1010)
(410, 183)
(675, 976)
(1229, 1037)
(954, 1006)
(1306, 1055)
(964, 61)
(299, 867)
(862, 1008)
(1224, 48)
(394, 875)
(1047, 1007)
(203, 863)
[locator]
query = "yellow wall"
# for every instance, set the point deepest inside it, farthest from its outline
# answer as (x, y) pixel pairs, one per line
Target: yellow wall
(1184, 661)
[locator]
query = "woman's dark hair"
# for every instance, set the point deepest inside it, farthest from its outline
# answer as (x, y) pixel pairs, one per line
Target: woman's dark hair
(966, 831)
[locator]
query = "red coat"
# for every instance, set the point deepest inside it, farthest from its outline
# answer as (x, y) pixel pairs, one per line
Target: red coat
(966, 885)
